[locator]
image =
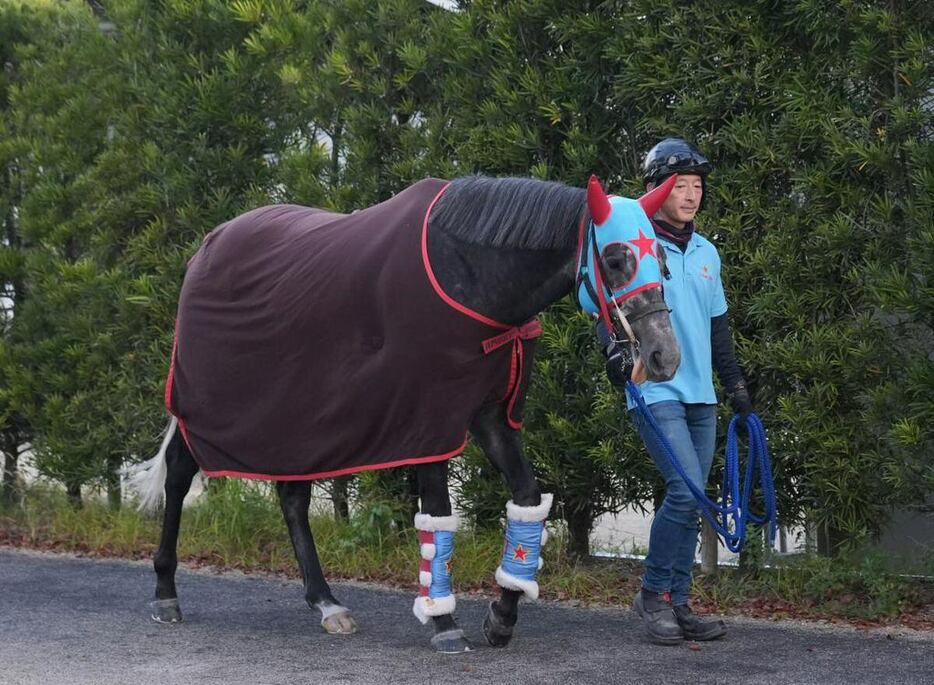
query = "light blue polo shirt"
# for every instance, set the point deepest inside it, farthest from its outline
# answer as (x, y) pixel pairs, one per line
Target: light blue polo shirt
(694, 294)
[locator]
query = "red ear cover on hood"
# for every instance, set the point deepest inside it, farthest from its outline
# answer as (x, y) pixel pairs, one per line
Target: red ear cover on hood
(597, 202)
(653, 200)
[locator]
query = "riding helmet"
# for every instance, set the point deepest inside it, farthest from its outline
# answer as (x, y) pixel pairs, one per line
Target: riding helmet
(673, 156)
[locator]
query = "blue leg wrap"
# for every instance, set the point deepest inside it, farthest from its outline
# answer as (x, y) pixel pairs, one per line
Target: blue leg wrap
(525, 534)
(436, 547)
(441, 565)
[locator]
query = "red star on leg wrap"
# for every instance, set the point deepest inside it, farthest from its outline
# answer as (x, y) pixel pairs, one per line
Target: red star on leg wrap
(519, 554)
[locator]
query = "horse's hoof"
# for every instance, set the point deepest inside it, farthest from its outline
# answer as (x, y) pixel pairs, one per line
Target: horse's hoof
(165, 611)
(495, 631)
(450, 642)
(341, 623)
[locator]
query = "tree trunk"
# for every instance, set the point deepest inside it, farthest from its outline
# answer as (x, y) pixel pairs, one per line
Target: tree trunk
(829, 540)
(580, 523)
(709, 548)
(114, 491)
(340, 498)
(73, 490)
(9, 492)
(752, 555)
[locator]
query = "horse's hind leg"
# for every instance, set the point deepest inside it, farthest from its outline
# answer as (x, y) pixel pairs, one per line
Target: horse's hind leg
(180, 469)
(436, 527)
(294, 498)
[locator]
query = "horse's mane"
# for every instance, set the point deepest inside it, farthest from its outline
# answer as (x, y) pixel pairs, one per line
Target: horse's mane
(510, 212)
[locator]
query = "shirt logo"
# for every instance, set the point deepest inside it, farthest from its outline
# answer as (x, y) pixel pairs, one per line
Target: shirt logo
(705, 273)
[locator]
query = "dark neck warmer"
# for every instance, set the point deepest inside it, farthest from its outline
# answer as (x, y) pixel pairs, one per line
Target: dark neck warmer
(679, 236)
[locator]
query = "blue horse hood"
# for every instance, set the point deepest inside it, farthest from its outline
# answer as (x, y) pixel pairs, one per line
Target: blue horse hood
(627, 225)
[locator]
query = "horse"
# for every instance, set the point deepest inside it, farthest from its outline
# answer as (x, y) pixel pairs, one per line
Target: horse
(311, 344)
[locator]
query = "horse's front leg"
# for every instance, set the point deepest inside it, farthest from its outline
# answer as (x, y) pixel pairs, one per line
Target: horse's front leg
(525, 521)
(294, 498)
(436, 527)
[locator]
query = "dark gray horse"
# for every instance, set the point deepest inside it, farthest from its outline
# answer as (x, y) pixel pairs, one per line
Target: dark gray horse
(427, 333)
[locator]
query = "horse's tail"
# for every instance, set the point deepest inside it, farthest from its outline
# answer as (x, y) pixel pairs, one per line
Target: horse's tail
(147, 479)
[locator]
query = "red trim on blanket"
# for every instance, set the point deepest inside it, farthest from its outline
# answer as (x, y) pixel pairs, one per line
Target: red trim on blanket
(171, 377)
(434, 281)
(339, 472)
(514, 334)
(169, 381)
(514, 365)
(515, 425)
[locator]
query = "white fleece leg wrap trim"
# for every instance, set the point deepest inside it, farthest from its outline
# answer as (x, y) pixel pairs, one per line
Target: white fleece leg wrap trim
(537, 513)
(429, 522)
(426, 607)
(510, 582)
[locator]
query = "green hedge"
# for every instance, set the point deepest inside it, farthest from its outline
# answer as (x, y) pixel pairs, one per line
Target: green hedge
(126, 136)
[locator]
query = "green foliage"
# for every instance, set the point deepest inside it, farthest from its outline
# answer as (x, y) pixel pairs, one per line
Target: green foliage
(818, 120)
(856, 587)
(120, 150)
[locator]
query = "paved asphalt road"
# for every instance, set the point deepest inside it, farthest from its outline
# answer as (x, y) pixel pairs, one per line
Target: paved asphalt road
(71, 621)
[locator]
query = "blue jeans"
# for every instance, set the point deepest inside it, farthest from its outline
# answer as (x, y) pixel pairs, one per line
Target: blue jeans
(691, 430)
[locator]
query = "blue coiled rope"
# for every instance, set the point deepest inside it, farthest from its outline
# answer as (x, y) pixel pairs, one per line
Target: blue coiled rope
(731, 517)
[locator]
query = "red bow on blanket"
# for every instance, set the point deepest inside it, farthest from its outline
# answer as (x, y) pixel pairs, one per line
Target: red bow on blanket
(515, 335)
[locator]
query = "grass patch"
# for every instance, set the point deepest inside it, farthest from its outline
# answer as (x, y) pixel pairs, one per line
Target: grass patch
(239, 526)
(862, 589)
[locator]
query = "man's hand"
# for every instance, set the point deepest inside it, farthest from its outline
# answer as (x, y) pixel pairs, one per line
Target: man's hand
(740, 400)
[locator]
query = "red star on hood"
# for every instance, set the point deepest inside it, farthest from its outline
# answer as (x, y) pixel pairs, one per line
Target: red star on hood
(645, 244)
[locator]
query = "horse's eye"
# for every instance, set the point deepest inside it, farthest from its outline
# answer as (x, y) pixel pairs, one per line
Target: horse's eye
(620, 262)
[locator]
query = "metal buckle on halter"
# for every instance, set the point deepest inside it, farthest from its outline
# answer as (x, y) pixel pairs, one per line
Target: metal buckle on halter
(622, 333)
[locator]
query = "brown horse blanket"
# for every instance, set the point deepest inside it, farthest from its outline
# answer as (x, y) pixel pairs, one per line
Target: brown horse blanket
(311, 344)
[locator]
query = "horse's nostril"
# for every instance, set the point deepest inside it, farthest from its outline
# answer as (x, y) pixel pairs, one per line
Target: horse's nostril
(663, 363)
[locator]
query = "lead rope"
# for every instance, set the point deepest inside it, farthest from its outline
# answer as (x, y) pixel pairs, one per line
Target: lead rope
(730, 518)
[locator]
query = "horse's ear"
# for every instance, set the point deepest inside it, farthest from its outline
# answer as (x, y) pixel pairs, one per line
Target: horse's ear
(653, 200)
(597, 202)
